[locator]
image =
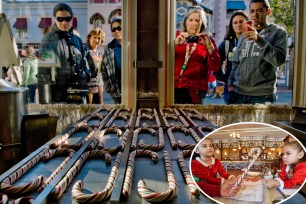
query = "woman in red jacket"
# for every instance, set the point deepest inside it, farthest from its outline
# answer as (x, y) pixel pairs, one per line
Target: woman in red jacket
(293, 169)
(195, 55)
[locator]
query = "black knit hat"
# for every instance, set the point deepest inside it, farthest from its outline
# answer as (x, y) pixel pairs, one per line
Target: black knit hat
(62, 7)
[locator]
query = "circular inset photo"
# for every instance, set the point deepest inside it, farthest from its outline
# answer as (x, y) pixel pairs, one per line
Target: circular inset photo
(249, 163)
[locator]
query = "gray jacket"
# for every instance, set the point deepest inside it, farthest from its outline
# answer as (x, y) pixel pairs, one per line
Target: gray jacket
(255, 65)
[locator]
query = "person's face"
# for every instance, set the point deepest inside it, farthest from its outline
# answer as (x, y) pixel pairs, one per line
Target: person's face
(116, 30)
(205, 149)
(237, 24)
(23, 52)
(259, 15)
(291, 155)
(94, 41)
(63, 24)
(193, 23)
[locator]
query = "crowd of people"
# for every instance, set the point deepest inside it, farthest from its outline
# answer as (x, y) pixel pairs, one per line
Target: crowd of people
(245, 63)
(82, 67)
(242, 69)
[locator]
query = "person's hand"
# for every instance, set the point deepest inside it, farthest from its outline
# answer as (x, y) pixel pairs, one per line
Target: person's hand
(181, 38)
(251, 34)
(272, 183)
(233, 179)
(205, 39)
(227, 189)
(230, 88)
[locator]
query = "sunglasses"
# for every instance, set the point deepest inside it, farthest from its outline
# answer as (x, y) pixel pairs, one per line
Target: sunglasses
(61, 19)
(116, 28)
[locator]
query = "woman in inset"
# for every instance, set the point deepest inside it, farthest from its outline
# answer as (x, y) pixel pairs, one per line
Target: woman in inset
(30, 69)
(68, 49)
(94, 55)
(195, 55)
(111, 64)
(227, 48)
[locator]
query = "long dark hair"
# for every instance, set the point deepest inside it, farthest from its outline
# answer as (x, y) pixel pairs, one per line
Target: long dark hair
(230, 33)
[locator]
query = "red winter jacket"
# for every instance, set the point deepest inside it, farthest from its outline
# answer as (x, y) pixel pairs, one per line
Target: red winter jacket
(195, 75)
(297, 178)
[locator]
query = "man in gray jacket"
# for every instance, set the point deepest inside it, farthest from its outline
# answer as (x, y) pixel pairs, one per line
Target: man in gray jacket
(259, 52)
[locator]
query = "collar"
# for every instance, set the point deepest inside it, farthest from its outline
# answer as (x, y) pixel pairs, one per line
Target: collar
(205, 164)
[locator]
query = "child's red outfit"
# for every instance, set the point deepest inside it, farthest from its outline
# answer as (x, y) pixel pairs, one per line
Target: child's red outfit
(289, 179)
(208, 173)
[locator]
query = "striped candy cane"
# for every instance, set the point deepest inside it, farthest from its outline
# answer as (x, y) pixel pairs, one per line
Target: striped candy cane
(3, 199)
(154, 147)
(130, 168)
(54, 153)
(152, 196)
(115, 150)
(137, 131)
(8, 188)
(251, 153)
(100, 196)
(62, 185)
(184, 169)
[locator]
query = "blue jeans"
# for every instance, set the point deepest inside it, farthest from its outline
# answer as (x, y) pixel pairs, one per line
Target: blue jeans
(236, 98)
(32, 92)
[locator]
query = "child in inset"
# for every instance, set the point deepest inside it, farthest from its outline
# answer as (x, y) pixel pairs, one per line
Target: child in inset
(205, 167)
(293, 168)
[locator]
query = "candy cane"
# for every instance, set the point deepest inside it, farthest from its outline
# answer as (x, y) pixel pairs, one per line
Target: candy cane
(61, 140)
(8, 188)
(137, 131)
(117, 149)
(51, 154)
(184, 169)
(185, 146)
(255, 150)
(100, 196)
(79, 145)
(24, 200)
(62, 185)
(171, 136)
(4, 198)
(130, 168)
(152, 196)
(154, 147)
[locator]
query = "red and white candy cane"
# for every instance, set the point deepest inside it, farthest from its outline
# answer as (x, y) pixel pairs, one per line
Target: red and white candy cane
(24, 200)
(61, 140)
(254, 153)
(154, 147)
(137, 131)
(114, 150)
(6, 184)
(62, 185)
(100, 196)
(130, 168)
(184, 169)
(52, 153)
(184, 146)
(152, 196)
(3, 199)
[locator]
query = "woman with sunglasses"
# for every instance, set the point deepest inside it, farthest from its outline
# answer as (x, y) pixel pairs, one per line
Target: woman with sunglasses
(68, 49)
(111, 63)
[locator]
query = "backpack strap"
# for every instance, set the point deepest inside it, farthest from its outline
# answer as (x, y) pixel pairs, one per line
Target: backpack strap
(226, 47)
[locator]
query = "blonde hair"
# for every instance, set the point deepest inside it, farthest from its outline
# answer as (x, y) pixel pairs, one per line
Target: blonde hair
(96, 31)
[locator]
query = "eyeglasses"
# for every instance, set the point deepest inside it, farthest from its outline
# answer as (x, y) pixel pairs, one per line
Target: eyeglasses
(116, 28)
(61, 19)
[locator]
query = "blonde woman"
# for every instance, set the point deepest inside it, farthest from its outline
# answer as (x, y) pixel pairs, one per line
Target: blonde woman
(94, 55)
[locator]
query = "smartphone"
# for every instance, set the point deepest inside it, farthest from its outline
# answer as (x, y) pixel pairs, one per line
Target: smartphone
(192, 39)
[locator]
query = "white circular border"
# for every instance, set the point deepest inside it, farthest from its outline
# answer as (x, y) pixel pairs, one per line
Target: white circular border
(264, 124)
